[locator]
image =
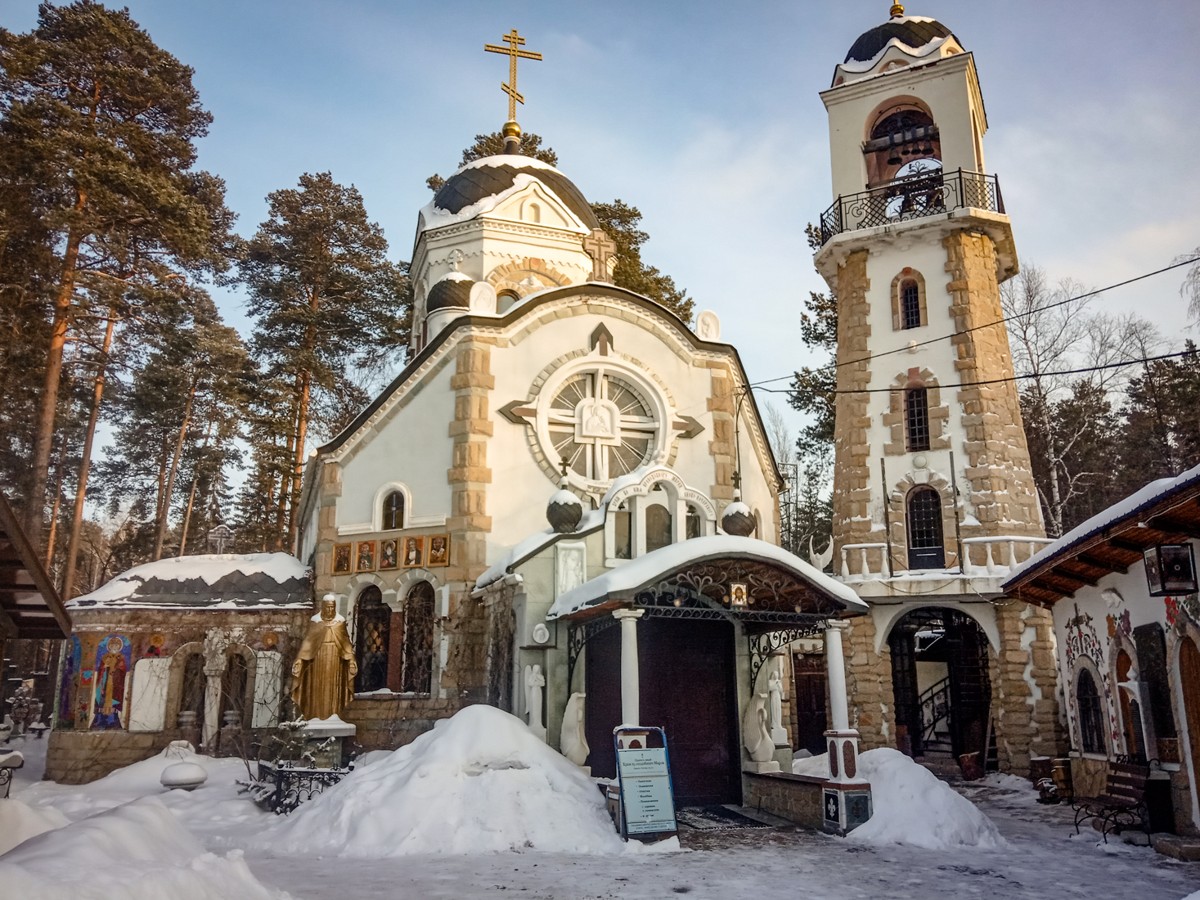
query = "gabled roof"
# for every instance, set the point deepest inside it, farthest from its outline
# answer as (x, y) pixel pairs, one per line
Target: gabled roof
(1163, 512)
(28, 599)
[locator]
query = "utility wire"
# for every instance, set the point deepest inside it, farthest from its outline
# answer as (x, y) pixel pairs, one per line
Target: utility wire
(945, 337)
(962, 384)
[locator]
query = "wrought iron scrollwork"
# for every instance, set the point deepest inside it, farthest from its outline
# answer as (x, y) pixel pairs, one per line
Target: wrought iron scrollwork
(913, 197)
(763, 644)
(577, 638)
(282, 786)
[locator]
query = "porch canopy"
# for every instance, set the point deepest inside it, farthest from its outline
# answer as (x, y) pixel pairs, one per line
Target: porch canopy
(30, 607)
(705, 577)
(1166, 511)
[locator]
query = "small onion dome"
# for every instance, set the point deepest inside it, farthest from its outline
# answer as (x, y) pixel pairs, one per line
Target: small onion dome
(738, 519)
(452, 292)
(564, 511)
(913, 32)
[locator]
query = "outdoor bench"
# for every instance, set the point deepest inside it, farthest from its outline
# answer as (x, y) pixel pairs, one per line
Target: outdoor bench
(1123, 803)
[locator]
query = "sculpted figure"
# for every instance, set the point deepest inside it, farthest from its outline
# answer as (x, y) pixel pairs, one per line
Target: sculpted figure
(572, 741)
(534, 682)
(324, 670)
(756, 736)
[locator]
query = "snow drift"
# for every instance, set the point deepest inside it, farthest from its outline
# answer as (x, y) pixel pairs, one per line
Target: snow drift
(20, 821)
(479, 782)
(911, 806)
(157, 857)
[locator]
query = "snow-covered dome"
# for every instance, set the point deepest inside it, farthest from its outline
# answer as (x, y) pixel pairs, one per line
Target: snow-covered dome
(453, 291)
(915, 34)
(564, 511)
(738, 519)
(480, 185)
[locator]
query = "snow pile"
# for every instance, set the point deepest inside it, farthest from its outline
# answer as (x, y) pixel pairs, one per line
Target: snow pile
(20, 821)
(911, 806)
(137, 851)
(479, 782)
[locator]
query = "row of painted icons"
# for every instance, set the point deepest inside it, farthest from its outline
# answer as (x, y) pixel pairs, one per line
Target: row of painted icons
(431, 551)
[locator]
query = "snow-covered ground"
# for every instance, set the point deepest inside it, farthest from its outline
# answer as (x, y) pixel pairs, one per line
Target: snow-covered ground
(471, 782)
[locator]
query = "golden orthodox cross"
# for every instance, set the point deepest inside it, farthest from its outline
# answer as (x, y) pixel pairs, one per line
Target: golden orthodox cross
(513, 51)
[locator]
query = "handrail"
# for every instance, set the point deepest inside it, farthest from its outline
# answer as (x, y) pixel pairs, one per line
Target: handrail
(912, 197)
(937, 698)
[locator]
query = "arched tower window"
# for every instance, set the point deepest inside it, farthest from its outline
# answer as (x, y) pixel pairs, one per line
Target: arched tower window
(926, 549)
(916, 419)
(910, 304)
(899, 138)
(393, 511)
(1091, 713)
(658, 527)
(417, 650)
(372, 627)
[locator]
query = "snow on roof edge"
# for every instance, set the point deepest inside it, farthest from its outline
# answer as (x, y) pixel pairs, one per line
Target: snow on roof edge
(1148, 495)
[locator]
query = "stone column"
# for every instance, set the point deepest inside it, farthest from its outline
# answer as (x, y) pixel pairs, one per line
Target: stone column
(630, 686)
(835, 664)
(212, 706)
(846, 796)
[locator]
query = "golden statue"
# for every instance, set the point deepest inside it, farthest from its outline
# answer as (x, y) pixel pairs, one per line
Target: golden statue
(324, 670)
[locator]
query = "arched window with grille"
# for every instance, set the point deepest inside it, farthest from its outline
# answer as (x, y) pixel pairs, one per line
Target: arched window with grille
(916, 419)
(658, 527)
(417, 654)
(910, 304)
(393, 511)
(372, 627)
(1091, 713)
(926, 548)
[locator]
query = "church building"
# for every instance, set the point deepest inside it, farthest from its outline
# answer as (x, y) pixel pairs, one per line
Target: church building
(565, 505)
(934, 500)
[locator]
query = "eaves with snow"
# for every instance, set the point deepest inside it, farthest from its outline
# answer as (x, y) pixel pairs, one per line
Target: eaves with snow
(1164, 511)
(208, 581)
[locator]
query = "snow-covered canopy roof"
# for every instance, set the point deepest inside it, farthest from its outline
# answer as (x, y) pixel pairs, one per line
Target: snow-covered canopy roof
(211, 581)
(479, 186)
(626, 581)
(1164, 511)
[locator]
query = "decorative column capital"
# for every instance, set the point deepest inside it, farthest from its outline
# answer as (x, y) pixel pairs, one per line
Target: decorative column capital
(622, 615)
(839, 625)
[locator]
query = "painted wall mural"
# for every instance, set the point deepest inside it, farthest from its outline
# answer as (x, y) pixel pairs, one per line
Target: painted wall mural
(112, 669)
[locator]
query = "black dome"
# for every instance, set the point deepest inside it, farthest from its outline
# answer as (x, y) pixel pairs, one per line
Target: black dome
(910, 31)
(470, 185)
(449, 293)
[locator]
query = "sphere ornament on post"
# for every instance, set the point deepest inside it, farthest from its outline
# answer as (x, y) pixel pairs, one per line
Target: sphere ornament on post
(564, 510)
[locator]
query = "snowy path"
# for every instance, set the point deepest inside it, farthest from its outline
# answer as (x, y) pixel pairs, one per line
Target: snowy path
(1044, 860)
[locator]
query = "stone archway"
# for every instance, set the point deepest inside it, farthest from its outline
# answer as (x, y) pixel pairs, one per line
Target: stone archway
(940, 682)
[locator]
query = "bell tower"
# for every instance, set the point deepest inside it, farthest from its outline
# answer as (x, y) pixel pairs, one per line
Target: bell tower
(934, 499)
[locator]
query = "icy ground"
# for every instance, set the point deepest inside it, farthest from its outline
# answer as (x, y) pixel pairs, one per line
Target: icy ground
(1040, 857)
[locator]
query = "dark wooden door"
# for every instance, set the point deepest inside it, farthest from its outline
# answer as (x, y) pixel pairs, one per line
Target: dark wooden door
(686, 673)
(810, 687)
(687, 681)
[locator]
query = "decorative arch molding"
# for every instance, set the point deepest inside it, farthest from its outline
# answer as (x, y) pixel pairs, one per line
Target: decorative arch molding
(1109, 732)
(901, 321)
(675, 486)
(897, 502)
(887, 617)
(526, 276)
(938, 411)
(377, 504)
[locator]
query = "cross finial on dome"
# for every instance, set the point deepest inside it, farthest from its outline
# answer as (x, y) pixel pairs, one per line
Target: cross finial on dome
(897, 10)
(514, 52)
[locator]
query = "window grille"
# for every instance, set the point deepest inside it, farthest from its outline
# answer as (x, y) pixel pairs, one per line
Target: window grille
(910, 304)
(926, 549)
(418, 639)
(1091, 714)
(916, 419)
(372, 633)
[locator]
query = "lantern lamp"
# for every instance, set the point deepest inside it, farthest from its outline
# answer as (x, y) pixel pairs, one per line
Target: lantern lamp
(1170, 569)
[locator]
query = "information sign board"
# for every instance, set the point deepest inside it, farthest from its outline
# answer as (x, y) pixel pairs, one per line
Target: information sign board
(647, 801)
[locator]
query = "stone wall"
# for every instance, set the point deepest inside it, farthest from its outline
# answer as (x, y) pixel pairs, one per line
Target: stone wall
(869, 685)
(77, 757)
(1024, 688)
(385, 723)
(796, 798)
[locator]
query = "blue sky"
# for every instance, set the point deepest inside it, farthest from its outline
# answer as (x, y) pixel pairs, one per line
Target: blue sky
(707, 117)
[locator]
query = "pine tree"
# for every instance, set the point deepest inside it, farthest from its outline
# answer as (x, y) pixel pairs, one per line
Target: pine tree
(97, 132)
(324, 296)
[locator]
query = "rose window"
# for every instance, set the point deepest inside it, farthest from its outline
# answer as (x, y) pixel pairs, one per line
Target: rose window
(602, 424)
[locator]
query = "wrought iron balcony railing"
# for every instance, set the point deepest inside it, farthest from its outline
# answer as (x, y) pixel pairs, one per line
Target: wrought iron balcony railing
(914, 197)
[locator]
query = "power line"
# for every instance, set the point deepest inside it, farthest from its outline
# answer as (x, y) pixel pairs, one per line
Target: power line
(945, 337)
(888, 390)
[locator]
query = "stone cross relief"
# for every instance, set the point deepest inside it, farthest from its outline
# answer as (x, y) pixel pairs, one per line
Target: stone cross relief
(601, 248)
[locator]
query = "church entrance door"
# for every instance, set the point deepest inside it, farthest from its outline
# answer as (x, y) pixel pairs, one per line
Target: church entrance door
(687, 686)
(810, 679)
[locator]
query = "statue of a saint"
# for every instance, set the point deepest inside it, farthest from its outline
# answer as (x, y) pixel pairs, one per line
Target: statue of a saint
(324, 670)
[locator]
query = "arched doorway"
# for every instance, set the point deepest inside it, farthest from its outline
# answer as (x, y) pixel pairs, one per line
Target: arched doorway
(941, 683)
(1131, 710)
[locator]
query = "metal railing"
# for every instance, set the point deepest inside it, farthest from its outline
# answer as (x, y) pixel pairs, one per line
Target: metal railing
(913, 197)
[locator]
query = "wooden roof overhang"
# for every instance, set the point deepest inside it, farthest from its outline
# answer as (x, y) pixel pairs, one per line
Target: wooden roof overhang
(1114, 546)
(30, 607)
